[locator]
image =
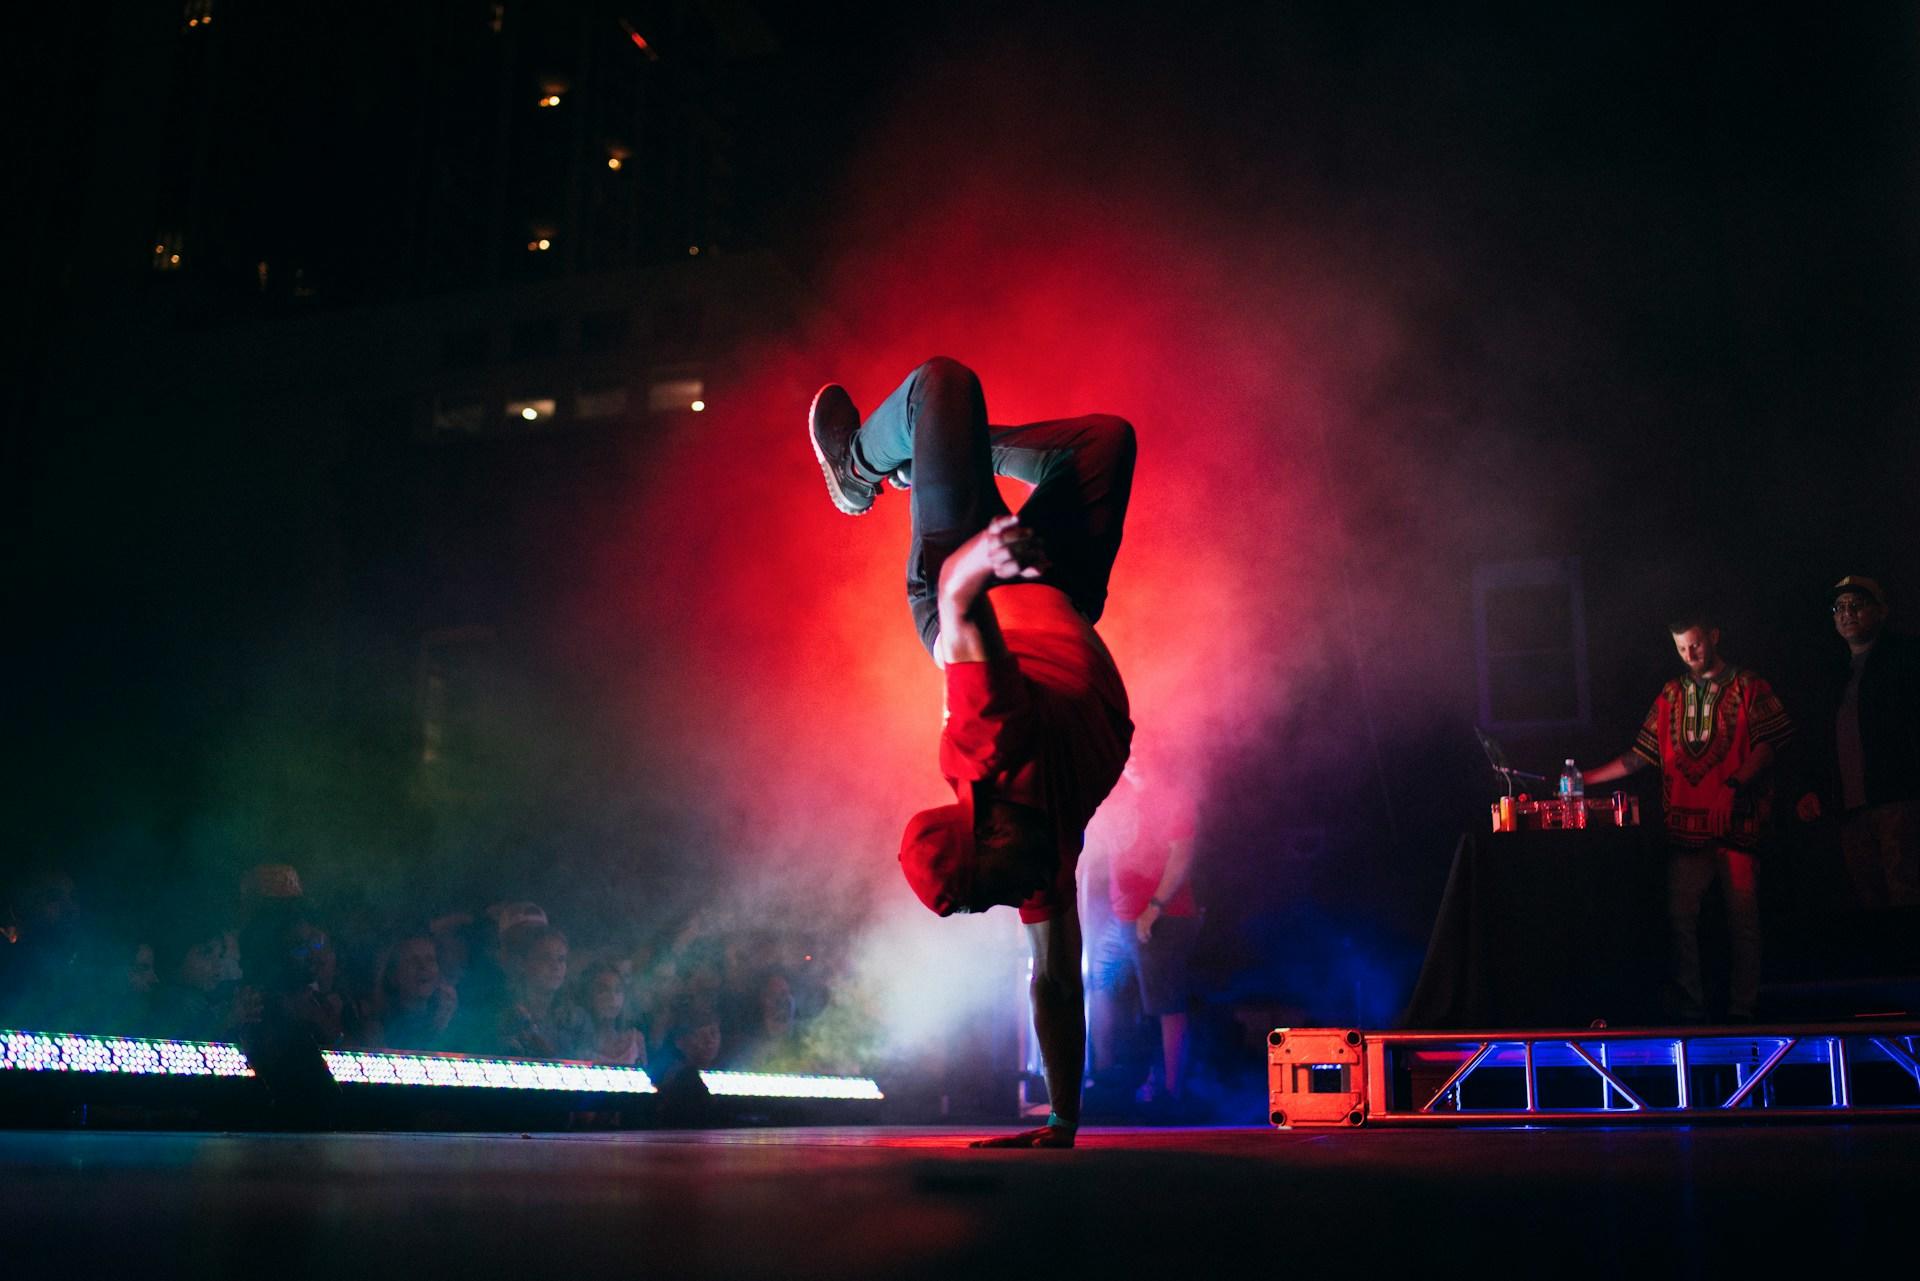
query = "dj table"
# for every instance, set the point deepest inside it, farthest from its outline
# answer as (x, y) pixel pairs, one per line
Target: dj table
(1548, 929)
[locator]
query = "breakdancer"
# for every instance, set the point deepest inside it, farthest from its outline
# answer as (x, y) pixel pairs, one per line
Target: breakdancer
(1036, 724)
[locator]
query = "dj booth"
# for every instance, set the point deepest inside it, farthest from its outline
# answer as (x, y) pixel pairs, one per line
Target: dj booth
(1548, 928)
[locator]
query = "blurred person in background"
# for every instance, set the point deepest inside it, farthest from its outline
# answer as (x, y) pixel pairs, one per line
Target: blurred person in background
(409, 1005)
(191, 1001)
(693, 1045)
(291, 960)
(609, 1034)
(766, 1035)
(1154, 923)
(41, 975)
(534, 1020)
(1867, 762)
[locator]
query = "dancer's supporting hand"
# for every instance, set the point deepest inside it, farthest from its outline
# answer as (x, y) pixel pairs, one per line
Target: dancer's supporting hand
(1047, 1136)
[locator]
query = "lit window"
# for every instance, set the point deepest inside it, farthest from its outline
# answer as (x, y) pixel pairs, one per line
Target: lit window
(534, 410)
(600, 402)
(458, 415)
(676, 395)
(166, 251)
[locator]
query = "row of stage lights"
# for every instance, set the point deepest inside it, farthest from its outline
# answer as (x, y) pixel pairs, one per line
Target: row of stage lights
(62, 1052)
(38, 1052)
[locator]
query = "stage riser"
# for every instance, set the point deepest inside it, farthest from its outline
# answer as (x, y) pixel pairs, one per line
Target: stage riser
(1324, 1077)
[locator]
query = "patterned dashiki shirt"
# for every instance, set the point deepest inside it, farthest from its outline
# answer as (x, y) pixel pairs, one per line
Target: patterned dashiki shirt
(1700, 733)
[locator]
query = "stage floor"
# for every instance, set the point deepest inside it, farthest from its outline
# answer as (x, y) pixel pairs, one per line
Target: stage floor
(919, 1203)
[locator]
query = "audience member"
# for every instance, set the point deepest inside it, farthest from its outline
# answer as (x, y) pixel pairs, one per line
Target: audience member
(534, 1021)
(42, 974)
(409, 1006)
(293, 966)
(609, 1034)
(192, 1002)
(765, 1036)
(692, 1046)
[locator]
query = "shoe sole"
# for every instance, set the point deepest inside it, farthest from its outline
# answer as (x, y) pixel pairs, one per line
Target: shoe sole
(840, 499)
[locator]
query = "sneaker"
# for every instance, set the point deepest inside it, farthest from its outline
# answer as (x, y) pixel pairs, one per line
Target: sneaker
(832, 422)
(901, 477)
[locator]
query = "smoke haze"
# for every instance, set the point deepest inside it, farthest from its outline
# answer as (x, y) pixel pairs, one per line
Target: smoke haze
(1385, 296)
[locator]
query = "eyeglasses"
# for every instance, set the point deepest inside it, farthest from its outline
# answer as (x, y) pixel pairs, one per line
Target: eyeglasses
(1855, 607)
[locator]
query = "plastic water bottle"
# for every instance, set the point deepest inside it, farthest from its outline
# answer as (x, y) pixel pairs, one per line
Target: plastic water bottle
(1573, 796)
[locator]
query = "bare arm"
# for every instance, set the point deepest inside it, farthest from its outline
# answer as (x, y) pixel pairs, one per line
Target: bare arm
(1618, 768)
(1172, 881)
(1002, 552)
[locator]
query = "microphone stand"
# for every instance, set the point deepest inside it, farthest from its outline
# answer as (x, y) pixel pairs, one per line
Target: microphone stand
(1508, 773)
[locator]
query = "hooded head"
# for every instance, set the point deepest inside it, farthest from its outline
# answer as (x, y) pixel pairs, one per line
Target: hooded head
(979, 853)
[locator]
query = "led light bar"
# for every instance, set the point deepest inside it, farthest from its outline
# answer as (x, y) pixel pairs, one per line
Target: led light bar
(69, 1052)
(368, 1067)
(778, 1085)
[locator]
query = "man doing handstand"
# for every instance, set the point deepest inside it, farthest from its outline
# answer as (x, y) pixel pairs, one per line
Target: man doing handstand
(1036, 725)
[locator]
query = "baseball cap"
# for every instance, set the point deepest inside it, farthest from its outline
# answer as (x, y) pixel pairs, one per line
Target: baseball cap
(1860, 584)
(937, 854)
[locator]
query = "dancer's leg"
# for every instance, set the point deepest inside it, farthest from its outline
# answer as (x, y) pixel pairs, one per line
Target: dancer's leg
(1082, 473)
(1081, 470)
(936, 420)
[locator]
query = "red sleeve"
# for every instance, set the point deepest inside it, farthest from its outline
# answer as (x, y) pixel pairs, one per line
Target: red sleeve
(1767, 721)
(989, 718)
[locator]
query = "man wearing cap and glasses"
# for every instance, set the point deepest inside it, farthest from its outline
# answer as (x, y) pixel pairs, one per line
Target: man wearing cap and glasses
(1036, 725)
(1874, 760)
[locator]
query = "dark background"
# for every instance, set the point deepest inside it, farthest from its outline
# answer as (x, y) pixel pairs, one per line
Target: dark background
(1632, 286)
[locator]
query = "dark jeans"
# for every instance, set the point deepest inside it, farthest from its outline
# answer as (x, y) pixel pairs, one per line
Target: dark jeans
(1081, 470)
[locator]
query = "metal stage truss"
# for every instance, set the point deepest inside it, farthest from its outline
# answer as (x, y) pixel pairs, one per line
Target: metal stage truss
(1347, 1077)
